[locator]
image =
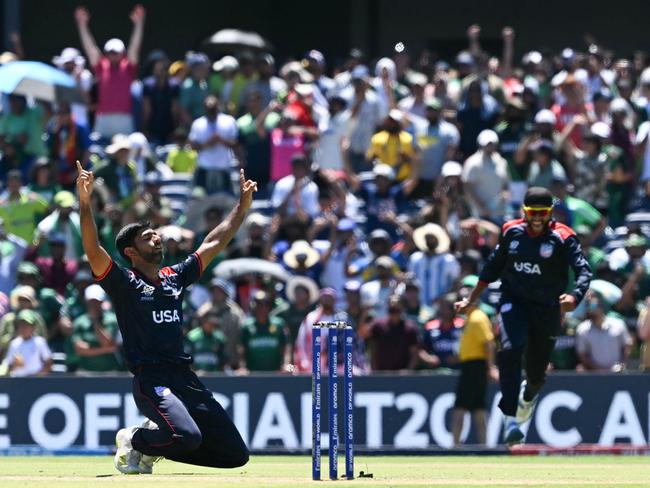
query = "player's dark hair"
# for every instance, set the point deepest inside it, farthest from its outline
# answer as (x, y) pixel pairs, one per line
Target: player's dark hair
(126, 236)
(537, 196)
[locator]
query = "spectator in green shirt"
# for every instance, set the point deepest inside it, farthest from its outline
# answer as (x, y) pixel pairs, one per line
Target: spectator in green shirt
(74, 305)
(50, 306)
(43, 180)
(264, 338)
(95, 335)
(194, 88)
(302, 293)
(206, 344)
(20, 210)
(254, 137)
(21, 130)
(230, 316)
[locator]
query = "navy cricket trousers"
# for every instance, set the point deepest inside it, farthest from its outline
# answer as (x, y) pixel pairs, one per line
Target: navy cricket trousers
(527, 334)
(193, 427)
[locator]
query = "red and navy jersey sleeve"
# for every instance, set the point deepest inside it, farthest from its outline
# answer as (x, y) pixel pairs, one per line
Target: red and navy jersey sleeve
(112, 279)
(580, 266)
(497, 259)
(188, 271)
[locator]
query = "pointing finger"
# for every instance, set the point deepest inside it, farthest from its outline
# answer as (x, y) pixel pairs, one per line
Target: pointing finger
(79, 167)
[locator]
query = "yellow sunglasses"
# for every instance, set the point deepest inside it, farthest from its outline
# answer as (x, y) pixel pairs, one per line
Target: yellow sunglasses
(538, 211)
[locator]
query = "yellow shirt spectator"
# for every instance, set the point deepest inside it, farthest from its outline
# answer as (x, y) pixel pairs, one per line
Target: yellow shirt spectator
(22, 214)
(396, 150)
(477, 331)
(182, 160)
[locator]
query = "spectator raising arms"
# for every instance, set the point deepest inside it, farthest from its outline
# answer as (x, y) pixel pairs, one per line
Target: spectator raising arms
(114, 70)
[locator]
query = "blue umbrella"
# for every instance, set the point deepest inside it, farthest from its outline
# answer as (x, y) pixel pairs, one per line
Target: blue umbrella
(39, 80)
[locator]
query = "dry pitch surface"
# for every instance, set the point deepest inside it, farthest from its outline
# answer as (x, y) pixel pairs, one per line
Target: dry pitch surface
(295, 471)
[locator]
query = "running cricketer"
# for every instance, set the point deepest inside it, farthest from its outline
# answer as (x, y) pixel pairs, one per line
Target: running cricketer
(186, 424)
(532, 260)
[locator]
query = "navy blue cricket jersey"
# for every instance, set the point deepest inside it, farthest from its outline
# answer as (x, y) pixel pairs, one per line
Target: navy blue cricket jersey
(536, 268)
(150, 314)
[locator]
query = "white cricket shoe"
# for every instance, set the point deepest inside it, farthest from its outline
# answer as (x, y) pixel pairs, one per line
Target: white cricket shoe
(147, 462)
(524, 409)
(512, 434)
(126, 458)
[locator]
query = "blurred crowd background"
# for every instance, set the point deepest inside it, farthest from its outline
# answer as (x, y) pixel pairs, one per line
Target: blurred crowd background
(383, 182)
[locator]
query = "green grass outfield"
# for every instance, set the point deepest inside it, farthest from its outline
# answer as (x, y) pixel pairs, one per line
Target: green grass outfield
(295, 471)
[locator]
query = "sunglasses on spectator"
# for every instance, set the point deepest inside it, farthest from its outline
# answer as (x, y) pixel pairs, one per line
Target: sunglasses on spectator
(538, 211)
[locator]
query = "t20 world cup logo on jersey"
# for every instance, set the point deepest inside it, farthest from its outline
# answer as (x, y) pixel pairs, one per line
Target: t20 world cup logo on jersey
(169, 282)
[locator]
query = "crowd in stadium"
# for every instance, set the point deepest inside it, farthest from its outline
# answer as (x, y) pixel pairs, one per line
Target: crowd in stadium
(382, 186)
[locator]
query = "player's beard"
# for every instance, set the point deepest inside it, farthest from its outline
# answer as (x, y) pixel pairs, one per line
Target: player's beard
(152, 257)
(538, 226)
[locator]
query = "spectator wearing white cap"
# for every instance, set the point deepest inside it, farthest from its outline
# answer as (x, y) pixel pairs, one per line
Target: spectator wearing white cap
(571, 104)
(73, 63)
(383, 198)
(114, 73)
(222, 79)
(438, 142)
(486, 179)
(386, 85)
(591, 167)
(95, 335)
(194, 89)
(544, 128)
(366, 112)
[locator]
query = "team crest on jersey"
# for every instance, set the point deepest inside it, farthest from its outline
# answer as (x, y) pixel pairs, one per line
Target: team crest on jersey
(546, 250)
(512, 249)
